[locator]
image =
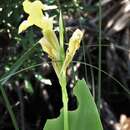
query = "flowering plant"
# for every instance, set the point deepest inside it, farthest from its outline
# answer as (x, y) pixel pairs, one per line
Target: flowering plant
(55, 50)
(51, 45)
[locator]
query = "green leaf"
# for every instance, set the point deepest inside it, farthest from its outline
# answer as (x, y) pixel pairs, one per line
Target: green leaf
(8, 75)
(61, 36)
(17, 65)
(61, 30)
(86, 117)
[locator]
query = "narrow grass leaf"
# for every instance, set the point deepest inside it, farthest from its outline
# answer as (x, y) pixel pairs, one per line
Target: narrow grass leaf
(61, 30)
(17, 65)
(7, 76)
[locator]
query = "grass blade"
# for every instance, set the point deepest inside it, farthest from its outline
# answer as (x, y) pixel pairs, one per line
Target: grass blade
(8, 75)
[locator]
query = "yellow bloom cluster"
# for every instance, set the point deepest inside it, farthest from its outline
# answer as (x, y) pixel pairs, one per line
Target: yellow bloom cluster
(49, 42)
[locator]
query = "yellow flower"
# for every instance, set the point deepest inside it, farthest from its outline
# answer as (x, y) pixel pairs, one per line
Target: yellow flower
(36, 17)
(47, 47)
(49, 42)
(74, 44)
(50, 45)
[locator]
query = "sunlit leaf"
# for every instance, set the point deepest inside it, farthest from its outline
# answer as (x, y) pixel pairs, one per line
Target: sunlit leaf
(86, 117)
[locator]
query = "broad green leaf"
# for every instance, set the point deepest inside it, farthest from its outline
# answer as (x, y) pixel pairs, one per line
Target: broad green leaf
(86, 117)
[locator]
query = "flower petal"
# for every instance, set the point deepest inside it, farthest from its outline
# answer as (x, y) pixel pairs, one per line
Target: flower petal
(46, 46)
(36, 17)
(74, 44)
(49, 7)
(24, 25)
(32, 7)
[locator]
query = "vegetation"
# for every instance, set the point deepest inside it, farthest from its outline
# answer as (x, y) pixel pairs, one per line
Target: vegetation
(64, 64)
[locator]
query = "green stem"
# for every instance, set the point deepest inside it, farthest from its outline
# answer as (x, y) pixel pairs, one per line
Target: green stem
(9, 109)
(65, 109)
(65, 101)
(100, 58)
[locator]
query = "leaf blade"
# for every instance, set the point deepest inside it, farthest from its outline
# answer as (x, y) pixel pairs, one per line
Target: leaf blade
(85, 117)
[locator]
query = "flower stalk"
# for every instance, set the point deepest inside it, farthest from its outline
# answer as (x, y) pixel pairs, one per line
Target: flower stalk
(63, 83)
